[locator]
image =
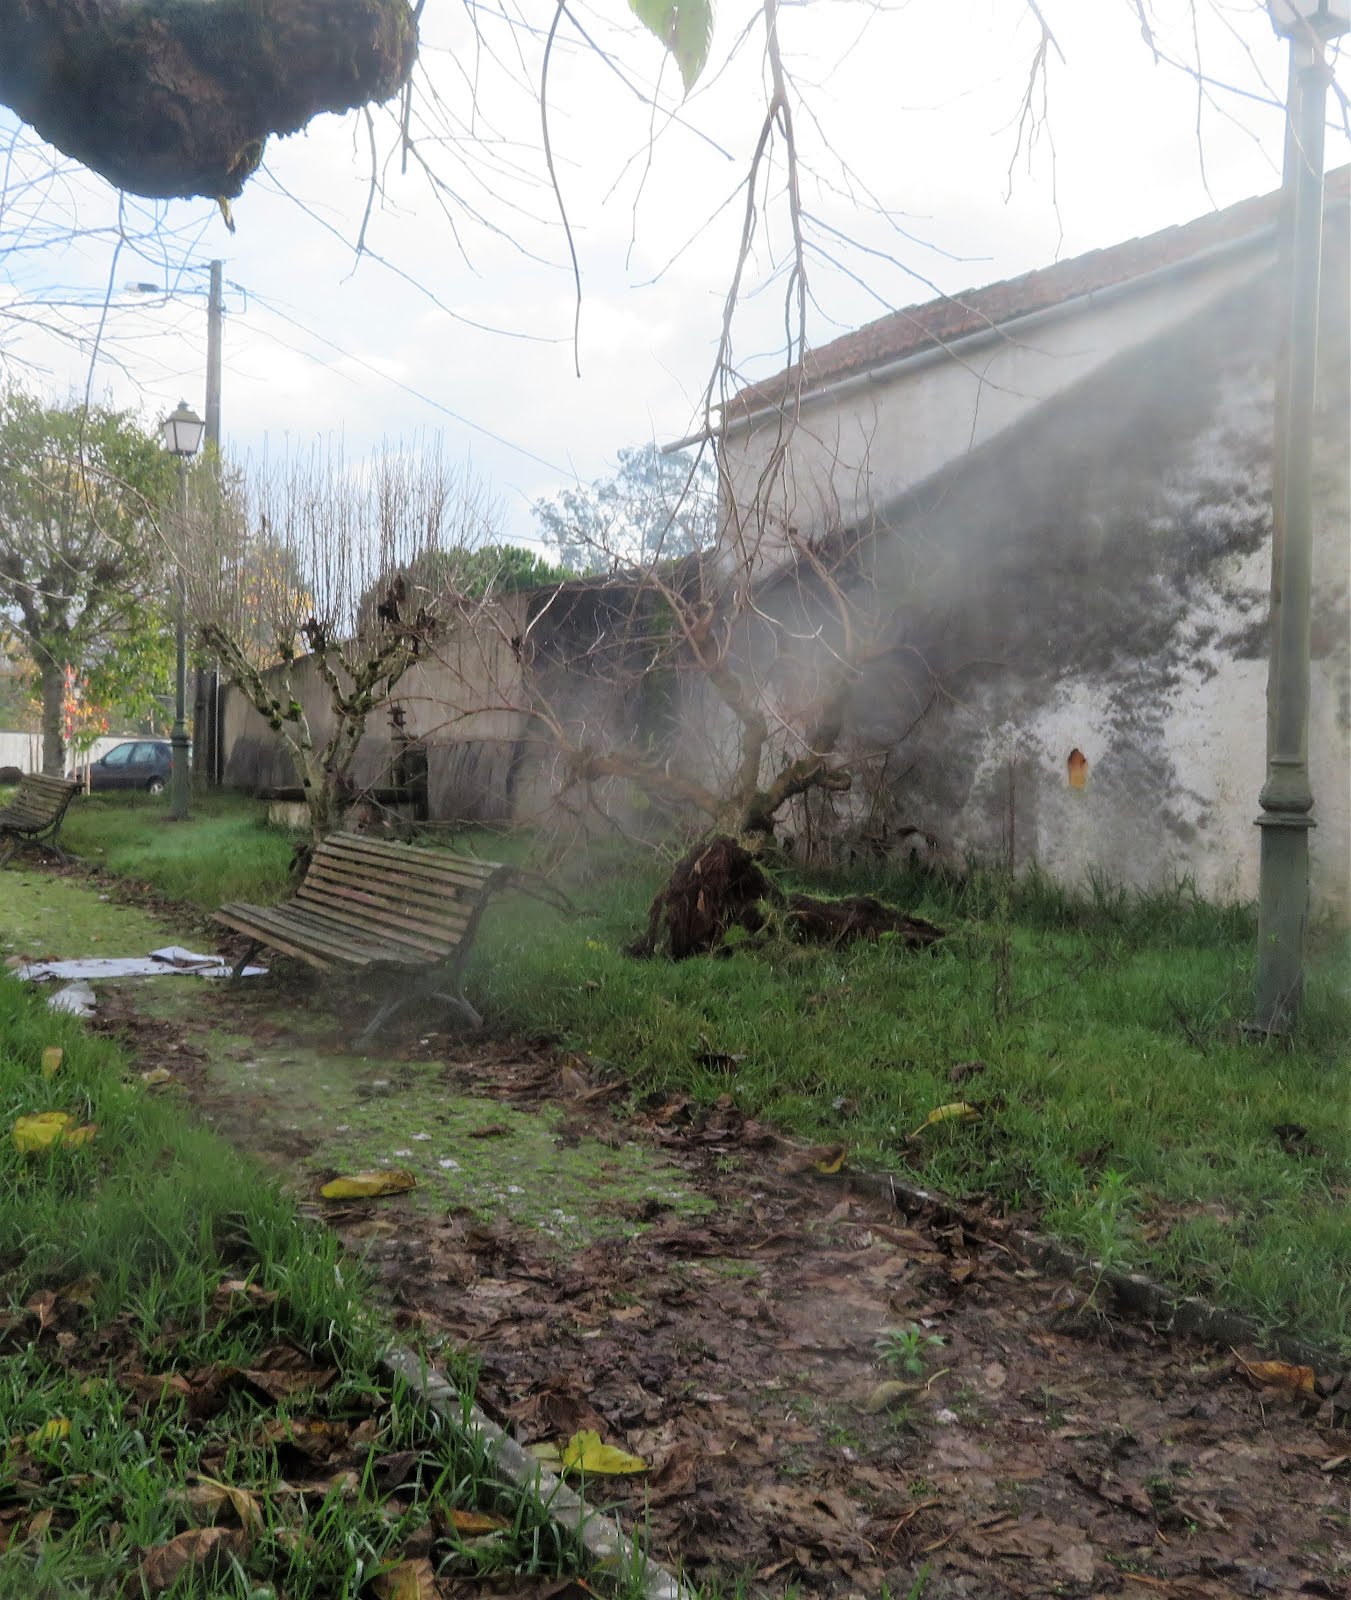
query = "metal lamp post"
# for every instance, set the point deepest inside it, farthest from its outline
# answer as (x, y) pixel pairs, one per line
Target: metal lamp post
(182, 430)
(1287, 799)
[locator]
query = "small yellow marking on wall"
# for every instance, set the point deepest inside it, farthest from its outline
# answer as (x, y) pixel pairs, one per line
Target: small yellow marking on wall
(1078, 769)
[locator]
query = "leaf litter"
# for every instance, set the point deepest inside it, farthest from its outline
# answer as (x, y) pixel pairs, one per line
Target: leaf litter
(1052, 1451)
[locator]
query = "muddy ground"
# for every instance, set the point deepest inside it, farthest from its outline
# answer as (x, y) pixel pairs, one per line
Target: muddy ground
(697, 1291)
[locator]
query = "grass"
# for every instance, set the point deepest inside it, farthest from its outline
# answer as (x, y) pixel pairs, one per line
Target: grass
(221, 855)
(1098, 1034)
(123, 1399)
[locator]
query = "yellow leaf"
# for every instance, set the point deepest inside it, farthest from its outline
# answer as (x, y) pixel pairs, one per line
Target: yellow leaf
(584, 1450)
(49, 1432)
(958, 1111)
(1281, 1375)
(409, 1580)
(46, 1128)
(366, 1185)
(156, 1075)
(476, 1522)
(833, 1161)
(546, 1453)
(52, 1057)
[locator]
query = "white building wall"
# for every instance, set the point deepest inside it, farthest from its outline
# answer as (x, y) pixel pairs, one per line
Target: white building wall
(860, 449)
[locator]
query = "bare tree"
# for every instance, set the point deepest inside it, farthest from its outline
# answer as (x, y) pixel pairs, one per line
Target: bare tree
(310, 563)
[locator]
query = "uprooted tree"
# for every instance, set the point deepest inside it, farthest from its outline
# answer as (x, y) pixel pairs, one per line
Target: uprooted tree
(338, 548)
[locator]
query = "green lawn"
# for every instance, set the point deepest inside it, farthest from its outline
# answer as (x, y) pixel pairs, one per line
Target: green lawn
(1119, 1103)
(180, 1354)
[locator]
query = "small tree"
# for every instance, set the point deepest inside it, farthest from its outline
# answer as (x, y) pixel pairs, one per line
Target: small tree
(309, 561)
(655, 507)
(82, 564)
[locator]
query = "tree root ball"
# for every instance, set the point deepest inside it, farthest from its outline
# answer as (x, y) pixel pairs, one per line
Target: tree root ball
(169, 98)
(719, 885)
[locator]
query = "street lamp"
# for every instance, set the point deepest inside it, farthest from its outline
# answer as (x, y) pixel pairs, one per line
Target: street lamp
(1287, 799)
(182, 430)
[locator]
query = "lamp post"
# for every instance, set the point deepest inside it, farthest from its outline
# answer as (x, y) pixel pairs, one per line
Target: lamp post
(1287, 798)
(182, 430)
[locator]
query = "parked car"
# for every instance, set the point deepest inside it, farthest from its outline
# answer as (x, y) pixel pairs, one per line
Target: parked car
(142, 764)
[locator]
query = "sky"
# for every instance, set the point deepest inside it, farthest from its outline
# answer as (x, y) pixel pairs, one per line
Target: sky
(457, 316)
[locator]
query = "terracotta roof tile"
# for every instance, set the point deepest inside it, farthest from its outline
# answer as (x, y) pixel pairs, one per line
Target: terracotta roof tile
(950, 317)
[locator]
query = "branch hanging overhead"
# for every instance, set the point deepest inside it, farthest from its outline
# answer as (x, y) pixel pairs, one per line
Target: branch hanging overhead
(177, 97)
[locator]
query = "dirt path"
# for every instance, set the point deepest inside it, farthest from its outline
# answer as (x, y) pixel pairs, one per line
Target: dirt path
(718, 1316)
(699, 1293)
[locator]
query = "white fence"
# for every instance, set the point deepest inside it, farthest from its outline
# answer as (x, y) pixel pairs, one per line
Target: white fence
(24, 750)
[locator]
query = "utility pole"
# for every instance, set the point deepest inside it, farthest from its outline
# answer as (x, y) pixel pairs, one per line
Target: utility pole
(214, 311)
(206, 755)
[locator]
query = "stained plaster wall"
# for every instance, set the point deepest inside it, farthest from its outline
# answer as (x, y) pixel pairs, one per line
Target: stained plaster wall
(860, 448)
(1097, 578)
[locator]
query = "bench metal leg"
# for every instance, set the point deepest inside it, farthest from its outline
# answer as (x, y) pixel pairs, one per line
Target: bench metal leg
(383, 1012)
(237, 971)
(458, 1001)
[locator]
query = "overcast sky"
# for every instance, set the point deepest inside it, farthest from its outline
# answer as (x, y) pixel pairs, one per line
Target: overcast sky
(908, 127)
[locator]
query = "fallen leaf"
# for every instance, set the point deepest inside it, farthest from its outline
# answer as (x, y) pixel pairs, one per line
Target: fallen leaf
(1280, 1375)
(368, 1185)
(409, 1580)
(470, 1523)
(545, 1453)
(52, 1058)
(155, 1388)
(49, 1433)
(493, 1130)
(207, 1548)
(43, 1307)
(234, 1295)
(284, 1371)
(965, 1070)
(156, 1076)
(887, 1394)
(43, 1129)
(585, 1451)
(957, 1111)
(832, 1162)
(209, 1496)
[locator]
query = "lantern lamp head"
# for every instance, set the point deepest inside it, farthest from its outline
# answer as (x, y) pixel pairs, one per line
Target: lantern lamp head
(1303, 19)
(182, 430)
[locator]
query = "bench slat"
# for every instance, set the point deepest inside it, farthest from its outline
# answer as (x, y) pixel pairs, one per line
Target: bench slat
(424, 866)
(356, 911)
(435, 891)
(413, 856)
(434, 905)
(272, 939)
(332, 943)
(421, 944)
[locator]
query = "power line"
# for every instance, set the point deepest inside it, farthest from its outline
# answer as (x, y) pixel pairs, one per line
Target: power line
(398, 383)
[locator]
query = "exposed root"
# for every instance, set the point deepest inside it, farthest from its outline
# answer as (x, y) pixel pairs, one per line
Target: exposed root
(720, 885)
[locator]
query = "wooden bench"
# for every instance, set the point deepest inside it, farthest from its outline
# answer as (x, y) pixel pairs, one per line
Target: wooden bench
(375, 906)
(33, 818)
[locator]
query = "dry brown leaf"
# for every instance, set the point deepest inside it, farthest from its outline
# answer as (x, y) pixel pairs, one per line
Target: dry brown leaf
(205, 1548)
(409, 1580)
(43, 1307)
(153, 1388)
(470, 1523)
(234, 1295)
(1280, 1375)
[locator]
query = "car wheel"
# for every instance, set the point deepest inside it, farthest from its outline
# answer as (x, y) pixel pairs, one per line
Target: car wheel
(155, 786)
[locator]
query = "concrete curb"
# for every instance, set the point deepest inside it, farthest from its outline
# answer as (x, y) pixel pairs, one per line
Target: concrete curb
(606, 1545)
(1131, 1292)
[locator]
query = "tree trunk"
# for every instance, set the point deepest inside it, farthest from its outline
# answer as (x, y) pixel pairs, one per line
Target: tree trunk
(53, 719)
